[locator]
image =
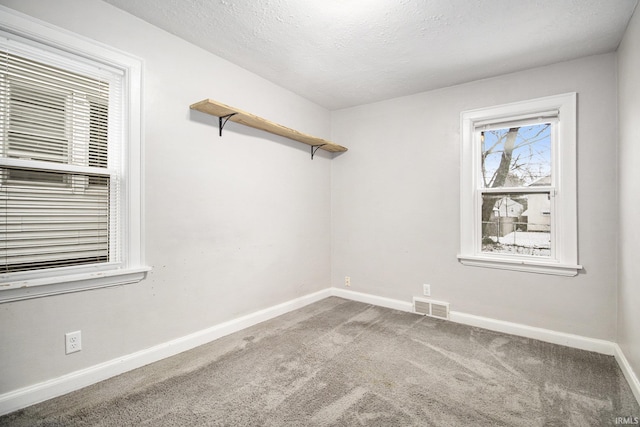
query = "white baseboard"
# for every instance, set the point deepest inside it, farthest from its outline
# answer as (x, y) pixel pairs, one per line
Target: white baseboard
(372, 299)
(21, 398)
(570, 340)
(547, 335)
(631, 376)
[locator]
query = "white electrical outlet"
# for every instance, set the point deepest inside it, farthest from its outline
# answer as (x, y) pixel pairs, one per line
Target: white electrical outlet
(73, 342)
(347, 281)
(426, 290)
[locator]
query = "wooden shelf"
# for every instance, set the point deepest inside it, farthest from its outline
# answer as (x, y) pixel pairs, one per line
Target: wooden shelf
(214, 108)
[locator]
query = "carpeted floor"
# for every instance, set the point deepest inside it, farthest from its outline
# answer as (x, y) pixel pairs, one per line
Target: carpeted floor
(344, 363)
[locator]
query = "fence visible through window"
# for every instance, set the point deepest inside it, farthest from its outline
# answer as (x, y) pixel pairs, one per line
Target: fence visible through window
(504, 235)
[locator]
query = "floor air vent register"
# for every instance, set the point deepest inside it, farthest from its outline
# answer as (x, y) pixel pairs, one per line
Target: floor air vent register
(431, 308)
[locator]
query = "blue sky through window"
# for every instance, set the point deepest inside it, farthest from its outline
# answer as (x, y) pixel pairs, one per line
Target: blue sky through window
(531, 155)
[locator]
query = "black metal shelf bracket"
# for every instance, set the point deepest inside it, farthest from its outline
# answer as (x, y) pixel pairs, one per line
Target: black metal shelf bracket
(226, 119)
(315, 148)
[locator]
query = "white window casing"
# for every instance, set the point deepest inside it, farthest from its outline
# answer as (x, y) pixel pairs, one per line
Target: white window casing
(560, 112)
(91, 165)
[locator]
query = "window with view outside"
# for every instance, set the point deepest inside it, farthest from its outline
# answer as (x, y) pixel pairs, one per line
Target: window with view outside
(516, 190)
(518, 198)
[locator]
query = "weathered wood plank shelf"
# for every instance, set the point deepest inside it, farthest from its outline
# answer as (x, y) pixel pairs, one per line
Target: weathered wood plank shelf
(225, 112)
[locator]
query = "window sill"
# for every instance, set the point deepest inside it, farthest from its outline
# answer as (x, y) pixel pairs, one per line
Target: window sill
(521, 265)
(36, 288)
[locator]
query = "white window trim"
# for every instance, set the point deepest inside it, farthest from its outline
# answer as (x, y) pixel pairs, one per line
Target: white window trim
(565, 259)
(72, 279)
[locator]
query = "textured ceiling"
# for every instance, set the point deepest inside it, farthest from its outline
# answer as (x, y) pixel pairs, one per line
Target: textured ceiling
(341, 53)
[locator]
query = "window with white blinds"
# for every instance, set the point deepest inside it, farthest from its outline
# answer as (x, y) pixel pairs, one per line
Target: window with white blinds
(70, 162)
(58, 181)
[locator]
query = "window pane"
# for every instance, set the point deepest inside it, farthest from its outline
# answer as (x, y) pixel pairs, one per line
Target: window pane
(50, 114)
(516, 223)
(52, 219)
(517, 156)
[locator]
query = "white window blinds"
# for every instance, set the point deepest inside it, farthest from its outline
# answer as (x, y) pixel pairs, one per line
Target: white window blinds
(59, 178)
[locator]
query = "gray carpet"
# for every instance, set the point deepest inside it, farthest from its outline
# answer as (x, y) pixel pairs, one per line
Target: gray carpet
(344, 363)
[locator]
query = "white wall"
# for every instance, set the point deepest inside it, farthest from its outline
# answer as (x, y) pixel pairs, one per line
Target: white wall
(629, 177)
(233, 224)
(396, 202)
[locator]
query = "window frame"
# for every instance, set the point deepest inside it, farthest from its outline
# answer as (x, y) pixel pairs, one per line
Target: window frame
(131, 267)
(564, 258)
